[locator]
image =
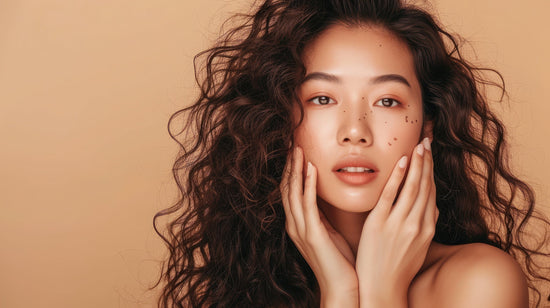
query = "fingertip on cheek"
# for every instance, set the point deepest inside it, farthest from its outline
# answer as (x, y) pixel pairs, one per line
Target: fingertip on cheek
(426, 143)
(420, 149)
(403, 162)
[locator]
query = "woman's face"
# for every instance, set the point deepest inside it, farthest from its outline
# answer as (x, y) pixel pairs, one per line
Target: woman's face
(362, 112)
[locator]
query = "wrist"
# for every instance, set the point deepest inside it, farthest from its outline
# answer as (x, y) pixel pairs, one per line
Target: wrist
(387, 298)
(340, 299)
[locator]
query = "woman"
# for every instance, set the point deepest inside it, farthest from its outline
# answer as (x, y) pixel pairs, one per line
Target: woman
(395, 192)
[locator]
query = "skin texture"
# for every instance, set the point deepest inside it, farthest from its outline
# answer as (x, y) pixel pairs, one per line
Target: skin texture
(370, 244)
(356, 124)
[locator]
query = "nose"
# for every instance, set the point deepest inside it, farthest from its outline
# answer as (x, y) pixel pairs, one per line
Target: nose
(355, 127)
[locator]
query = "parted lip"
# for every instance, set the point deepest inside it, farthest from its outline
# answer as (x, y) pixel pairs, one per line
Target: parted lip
(354, 161)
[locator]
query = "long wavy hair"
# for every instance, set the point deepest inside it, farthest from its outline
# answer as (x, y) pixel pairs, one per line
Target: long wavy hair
(226, 235)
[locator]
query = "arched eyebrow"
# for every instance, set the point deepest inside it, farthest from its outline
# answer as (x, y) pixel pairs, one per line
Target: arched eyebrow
(390, 77)
(376, 80)
(322, 76)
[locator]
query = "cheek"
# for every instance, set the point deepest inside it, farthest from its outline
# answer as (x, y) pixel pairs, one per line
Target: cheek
(314, 135)
(399, 133)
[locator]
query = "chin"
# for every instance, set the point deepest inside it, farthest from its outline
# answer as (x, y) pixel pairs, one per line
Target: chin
(351, 204)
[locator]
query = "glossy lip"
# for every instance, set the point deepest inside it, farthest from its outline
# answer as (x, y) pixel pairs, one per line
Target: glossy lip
(355, 178)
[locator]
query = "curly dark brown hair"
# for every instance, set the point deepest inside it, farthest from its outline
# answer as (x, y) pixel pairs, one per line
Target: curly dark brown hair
(227, 241)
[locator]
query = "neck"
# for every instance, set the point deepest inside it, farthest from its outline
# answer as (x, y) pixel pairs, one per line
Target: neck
(348, 224)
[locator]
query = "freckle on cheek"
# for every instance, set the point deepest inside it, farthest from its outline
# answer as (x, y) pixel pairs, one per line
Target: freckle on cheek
(389, 144)
(407, 119)
(394, 139)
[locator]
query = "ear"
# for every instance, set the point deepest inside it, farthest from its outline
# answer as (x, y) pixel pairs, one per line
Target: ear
(427, 130)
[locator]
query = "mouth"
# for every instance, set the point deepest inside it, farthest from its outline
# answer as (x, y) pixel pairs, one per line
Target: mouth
(355, 176)
(355, 170)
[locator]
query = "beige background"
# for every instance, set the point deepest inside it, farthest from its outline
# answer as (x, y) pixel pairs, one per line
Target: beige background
(86, 89)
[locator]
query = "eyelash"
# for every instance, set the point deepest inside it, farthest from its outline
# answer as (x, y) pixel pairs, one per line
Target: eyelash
(380, 102)
(393, 102)
(316, 98)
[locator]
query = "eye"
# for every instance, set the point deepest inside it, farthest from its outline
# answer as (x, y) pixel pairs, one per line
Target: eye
(321, 100)
(387, 102)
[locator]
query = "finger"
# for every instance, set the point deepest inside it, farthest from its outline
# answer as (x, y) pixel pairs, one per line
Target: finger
(311, 211)
(431, 213)
(411, 187)
(385, 202)
(296, 190)
(284, 188)
(285, 176)
(418, 210)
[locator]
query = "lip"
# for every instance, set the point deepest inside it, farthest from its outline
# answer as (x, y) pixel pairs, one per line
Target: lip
(355, 178)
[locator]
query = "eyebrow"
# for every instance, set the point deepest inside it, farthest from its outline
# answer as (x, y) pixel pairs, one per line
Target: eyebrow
(322, 76)
(376, 80)
(390, 78)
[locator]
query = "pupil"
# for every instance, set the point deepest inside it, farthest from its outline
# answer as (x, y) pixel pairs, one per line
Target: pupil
(386, 102)
(323, 100)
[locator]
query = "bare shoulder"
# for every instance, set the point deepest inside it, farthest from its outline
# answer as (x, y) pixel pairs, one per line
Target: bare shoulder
(476, 275)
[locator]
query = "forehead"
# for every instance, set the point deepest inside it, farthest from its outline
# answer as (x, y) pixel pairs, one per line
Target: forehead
(362, 51)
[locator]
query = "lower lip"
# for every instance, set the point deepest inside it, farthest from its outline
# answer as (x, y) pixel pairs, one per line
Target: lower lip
(356, 178)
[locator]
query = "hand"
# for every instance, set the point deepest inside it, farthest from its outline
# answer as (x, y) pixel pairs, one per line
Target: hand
(324, 249)
(396, 236)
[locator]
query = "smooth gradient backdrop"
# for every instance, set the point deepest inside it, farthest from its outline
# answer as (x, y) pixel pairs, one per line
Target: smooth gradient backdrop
(86, 89)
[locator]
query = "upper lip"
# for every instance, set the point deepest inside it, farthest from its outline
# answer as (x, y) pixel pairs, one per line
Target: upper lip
(354, 161)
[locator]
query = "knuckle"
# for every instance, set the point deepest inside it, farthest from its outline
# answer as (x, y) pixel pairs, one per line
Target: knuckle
(284, 185)
(310, 238)
(429, 231)
(387, 197)
(408, 194)
(289, 189)
(372, 226)
(412, 230)
(414, 186)
(292, 176)
(290, 230)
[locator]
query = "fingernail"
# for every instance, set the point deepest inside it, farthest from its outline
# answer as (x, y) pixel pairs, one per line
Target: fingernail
(426, 143)
(403, 162)
(309, 168)
(420, 149)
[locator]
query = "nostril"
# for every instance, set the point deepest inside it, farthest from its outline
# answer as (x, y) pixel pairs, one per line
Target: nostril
(361, 140)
